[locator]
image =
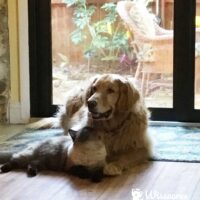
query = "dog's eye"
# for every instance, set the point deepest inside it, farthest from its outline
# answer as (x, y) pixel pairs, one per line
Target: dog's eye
(110, 90)
(94, 89)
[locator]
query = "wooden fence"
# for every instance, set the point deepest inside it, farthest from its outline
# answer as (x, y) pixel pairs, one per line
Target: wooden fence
(62, 26)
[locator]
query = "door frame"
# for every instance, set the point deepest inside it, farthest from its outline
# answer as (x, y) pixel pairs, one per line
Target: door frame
(19, 104)
(184, 56)
(40, 58)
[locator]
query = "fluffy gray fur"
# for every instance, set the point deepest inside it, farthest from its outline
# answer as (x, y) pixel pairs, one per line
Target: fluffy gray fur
(83, 148)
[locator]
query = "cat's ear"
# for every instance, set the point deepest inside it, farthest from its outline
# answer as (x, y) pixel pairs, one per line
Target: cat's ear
(73, 134)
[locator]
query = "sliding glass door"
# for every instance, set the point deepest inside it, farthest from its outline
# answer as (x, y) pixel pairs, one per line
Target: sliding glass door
(92, 37)
(72, 41)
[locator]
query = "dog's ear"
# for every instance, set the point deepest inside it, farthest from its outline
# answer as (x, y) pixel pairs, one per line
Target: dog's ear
(73, 134)
(128, 96)
(89, 91)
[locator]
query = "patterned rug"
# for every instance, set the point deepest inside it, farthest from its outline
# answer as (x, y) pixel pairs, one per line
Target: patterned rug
(169, 143)
(175, 143)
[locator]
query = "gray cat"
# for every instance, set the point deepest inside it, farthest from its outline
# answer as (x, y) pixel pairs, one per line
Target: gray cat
(83, 154)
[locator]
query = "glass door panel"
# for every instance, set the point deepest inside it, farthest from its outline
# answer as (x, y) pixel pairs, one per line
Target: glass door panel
(93, 37)
(197, 57)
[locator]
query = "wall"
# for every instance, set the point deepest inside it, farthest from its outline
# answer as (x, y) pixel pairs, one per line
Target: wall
(14, 51)
(4, 60)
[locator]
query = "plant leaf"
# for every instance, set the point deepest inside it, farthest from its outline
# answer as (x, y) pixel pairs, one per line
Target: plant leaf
(77, 36)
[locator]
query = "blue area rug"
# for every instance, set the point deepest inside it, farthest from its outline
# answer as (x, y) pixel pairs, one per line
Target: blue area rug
(175, 143)
(169, 143)
(22, 140)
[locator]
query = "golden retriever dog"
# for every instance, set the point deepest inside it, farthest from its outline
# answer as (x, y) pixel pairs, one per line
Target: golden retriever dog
(111, 104)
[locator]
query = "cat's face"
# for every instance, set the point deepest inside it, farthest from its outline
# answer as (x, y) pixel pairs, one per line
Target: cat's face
(88, 148)
(84, 135)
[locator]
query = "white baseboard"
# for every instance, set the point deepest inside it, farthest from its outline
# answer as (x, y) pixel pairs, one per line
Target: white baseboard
(17, 114)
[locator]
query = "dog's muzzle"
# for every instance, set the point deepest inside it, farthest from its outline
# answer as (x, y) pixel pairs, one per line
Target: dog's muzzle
(92, 107)
(97, 115)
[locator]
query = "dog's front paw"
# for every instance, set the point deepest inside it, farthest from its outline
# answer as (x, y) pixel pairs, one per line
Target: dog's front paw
(111, 169)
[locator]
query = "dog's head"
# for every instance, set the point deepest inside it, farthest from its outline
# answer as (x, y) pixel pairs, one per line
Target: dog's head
(110, 94)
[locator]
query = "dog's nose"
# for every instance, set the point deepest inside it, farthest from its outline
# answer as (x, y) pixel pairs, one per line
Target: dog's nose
(92, 104)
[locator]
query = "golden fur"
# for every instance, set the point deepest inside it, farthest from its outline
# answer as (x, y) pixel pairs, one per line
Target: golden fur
(116, 109)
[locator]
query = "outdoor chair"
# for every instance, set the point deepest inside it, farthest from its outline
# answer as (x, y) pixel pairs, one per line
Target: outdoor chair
(152, 44)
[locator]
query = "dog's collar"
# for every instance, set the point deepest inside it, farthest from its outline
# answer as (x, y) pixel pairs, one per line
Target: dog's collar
(115, 130)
